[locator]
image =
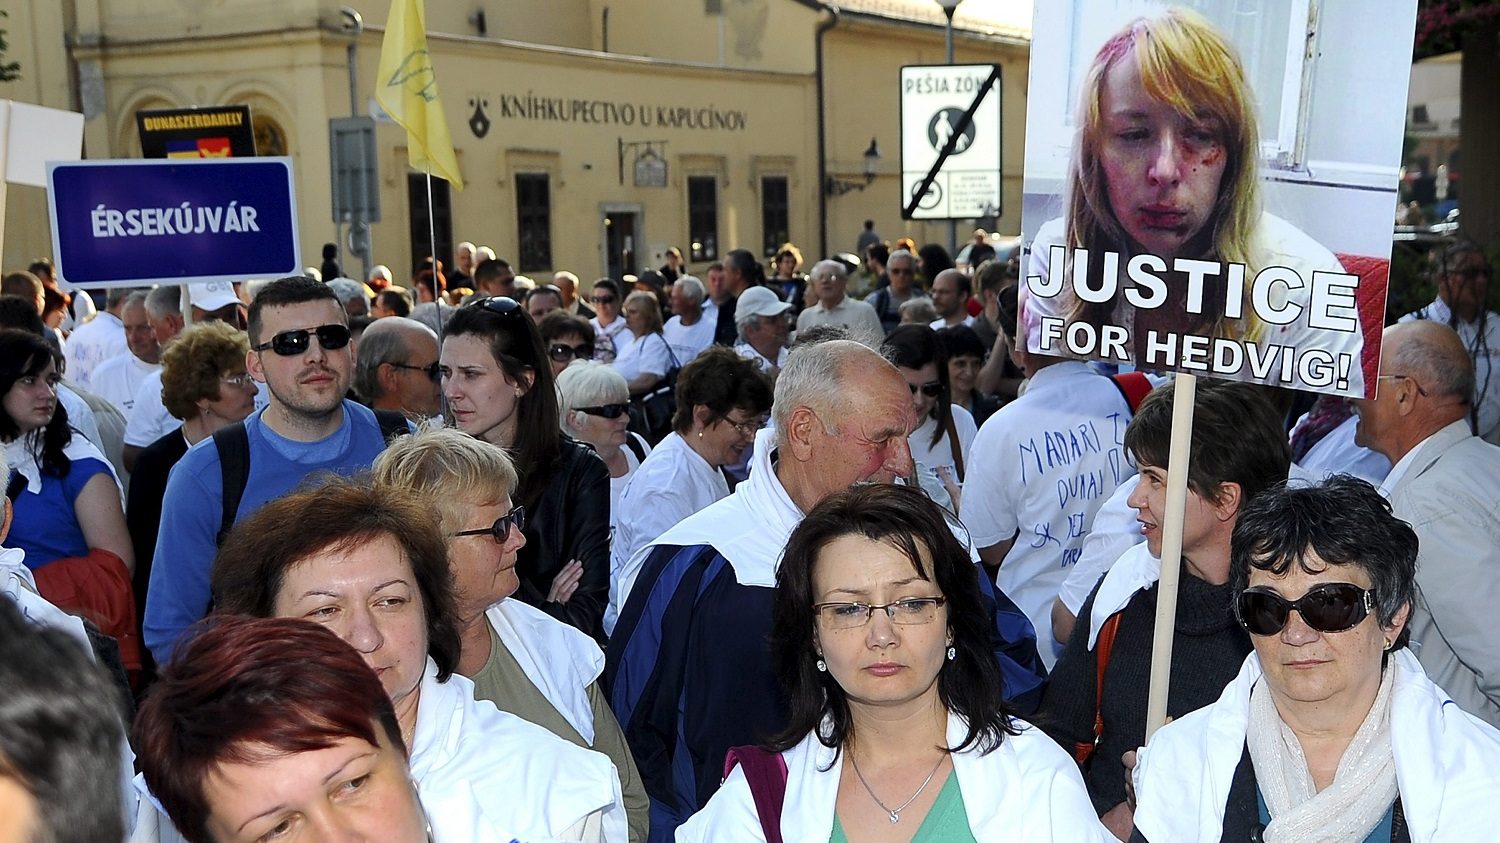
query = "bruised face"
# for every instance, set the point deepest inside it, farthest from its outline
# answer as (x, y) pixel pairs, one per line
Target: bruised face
(1162, 168)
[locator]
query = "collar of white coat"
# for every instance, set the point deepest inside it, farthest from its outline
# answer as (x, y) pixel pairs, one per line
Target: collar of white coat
(22, 455)
(558, 659)
(749, 528)
(1434, 743)
(1136, 569)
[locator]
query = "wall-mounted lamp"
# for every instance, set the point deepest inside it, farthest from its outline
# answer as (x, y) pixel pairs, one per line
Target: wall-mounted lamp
(838, 187)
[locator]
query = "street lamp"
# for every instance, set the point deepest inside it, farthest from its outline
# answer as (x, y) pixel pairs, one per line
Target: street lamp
(949, 7)
(838, 187)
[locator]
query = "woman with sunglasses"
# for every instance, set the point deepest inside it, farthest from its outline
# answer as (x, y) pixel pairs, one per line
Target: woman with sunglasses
(1239, 449)
(499, 388)
(609, 326)
(897, 726)
(566, 338)
(1332, 731)
(593, 400)
(942, 440)
(395, 584)
(522, 660)
(722, 402)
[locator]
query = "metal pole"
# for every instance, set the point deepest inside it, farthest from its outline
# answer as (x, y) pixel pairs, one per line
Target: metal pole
(952, 224)
(355, 25)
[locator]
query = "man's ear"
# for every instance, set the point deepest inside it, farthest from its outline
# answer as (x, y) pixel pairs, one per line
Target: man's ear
(252, 365)
(1228, 499)
(386, 375)
(802, 428)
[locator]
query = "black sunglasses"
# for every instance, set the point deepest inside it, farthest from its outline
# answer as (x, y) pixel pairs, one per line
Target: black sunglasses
(503, 305)
(293, 343)
(1330, 607)
(603, 299)
(433, 370)
(501, 528)
(931, 389)
(564, 353)
(608, 411)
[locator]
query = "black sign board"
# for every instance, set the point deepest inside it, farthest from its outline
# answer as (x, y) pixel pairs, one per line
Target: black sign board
(219, 132)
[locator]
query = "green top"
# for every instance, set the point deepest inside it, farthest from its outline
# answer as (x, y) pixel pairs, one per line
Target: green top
(947, 822)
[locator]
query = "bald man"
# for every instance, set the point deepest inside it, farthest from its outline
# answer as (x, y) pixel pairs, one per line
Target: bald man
(1445, 482)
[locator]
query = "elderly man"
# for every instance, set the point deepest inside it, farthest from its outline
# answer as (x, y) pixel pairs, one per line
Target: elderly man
(688, 332)
(380, 277)
(830, 280)
(950, 298)
(1462, 274)
(763, 325)
(567, 283)
(396, 368)
(887, 301)
(688, 663)
(117, 379)
(1445, 482)
(462, 274)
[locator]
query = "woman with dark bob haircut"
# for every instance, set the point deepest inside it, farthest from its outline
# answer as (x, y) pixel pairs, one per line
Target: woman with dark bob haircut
(1332, 731)
(885, 649)
(377, 574)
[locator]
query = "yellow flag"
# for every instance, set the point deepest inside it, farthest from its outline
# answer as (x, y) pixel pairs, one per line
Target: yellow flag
(406, 88)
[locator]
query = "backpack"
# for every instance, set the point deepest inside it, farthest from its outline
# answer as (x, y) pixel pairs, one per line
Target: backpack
(233, 444)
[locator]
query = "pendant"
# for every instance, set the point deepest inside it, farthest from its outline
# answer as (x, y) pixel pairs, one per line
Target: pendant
(895, 818)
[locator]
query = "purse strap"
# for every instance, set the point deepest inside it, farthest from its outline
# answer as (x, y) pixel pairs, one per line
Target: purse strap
(1083, 750)
(766, 774)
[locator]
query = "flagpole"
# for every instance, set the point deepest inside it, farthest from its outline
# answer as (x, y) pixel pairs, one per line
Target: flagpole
(437, 294)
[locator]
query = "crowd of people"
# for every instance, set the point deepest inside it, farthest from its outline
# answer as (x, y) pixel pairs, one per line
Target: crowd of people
(755, 556)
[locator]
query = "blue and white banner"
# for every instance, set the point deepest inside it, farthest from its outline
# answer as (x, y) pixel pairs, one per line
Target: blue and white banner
(133, 223)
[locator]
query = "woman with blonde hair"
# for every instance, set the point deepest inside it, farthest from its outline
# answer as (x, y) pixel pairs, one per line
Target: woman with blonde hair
(1164, 170)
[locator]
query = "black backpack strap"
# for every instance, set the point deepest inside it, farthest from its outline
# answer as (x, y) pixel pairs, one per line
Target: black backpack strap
(392, 423)
(635, 447)
(233, 444)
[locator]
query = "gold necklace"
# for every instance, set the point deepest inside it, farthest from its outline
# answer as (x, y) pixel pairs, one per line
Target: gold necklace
(894, 814)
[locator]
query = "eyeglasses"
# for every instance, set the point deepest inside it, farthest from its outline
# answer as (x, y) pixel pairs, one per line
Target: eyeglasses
(501, 528)
(433, 370)
(891, 270)
(1469, 273)
(607, 411)
(747, 428)
(242, 380)
(564, 353)
(1420, 391)
(1330, 607)
(603, 299)
(931, 389)
(293, 343)
(913, 611)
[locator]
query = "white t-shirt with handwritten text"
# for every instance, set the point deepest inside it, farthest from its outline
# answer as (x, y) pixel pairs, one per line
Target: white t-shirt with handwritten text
(1044, 464)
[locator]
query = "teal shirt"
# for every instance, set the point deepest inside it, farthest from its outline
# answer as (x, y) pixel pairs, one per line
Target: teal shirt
(947, 822)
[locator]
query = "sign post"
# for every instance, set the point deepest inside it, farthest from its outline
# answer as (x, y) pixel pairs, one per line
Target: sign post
(134, 223)
(950, 141)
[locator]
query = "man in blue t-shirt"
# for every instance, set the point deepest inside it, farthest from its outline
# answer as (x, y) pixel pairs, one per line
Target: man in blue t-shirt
(299, 340)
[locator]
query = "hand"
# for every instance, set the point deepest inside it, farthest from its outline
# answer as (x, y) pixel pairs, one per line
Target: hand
(1119, 820)
(1128, 759)
(566, 582)
(946, 476)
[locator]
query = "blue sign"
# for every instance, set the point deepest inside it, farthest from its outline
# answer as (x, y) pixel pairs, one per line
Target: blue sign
(173, 221)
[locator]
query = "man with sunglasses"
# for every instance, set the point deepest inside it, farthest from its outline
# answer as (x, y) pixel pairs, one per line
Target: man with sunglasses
(1461, 271)
(1445, 482)
(397, 368)
(901, 268)
(299, 340)
(1239, 449)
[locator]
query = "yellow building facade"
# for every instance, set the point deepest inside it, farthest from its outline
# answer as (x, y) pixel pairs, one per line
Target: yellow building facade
(591, 134)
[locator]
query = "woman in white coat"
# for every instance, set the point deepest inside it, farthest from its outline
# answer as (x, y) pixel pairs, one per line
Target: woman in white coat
(1331, 732)
(368, 561)
(897, 728)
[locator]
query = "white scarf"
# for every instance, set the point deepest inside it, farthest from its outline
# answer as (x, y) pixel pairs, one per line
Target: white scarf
(1363, 788)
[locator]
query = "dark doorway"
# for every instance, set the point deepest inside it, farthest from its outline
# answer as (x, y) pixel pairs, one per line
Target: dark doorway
(442, 221)
(621, 238)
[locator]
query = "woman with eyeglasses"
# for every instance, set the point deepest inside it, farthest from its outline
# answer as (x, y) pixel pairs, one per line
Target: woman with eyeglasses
(942, 440)
(499, 387)
(395, 584)
(567, 338)
(203, 383)
(722, 402)
(646, 359)
(609, 326)
(1332, 730)
(522, 660)
(897, 727)
(593, 400)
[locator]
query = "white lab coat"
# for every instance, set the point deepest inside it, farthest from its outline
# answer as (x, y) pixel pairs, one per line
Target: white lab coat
(1447, 763)
(559, 660)
(1025, 789)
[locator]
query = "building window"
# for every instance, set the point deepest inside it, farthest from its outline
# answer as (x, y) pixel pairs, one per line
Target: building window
(534, 221)
(419, 236)
(773, 214)
(703, 217)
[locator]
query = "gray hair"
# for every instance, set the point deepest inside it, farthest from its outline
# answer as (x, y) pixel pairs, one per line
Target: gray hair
(1431, 363)
(117, 297)
(692, 288)
(588, 383)
(385, 341)
(814, 377)
(137, 297)
(901, 254)
(347, 290)
(380, 270)
(840, 271)
(918, 310)
(165, 300)
(483, 253)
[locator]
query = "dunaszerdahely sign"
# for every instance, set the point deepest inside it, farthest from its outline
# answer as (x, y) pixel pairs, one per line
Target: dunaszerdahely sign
(1209, 190)
(127, 223)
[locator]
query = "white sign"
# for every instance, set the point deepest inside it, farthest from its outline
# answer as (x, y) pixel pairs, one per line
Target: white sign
(956, 159)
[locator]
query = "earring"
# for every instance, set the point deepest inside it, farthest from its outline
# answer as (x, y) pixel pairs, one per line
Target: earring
(952, 652)
(822, 666)
(1389, 643)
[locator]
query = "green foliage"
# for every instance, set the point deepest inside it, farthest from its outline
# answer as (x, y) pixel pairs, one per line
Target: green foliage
(1441, 24)
(9, 71)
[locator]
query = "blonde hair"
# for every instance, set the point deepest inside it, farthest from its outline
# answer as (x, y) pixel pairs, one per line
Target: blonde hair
(1185, 62)
(449, 468)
